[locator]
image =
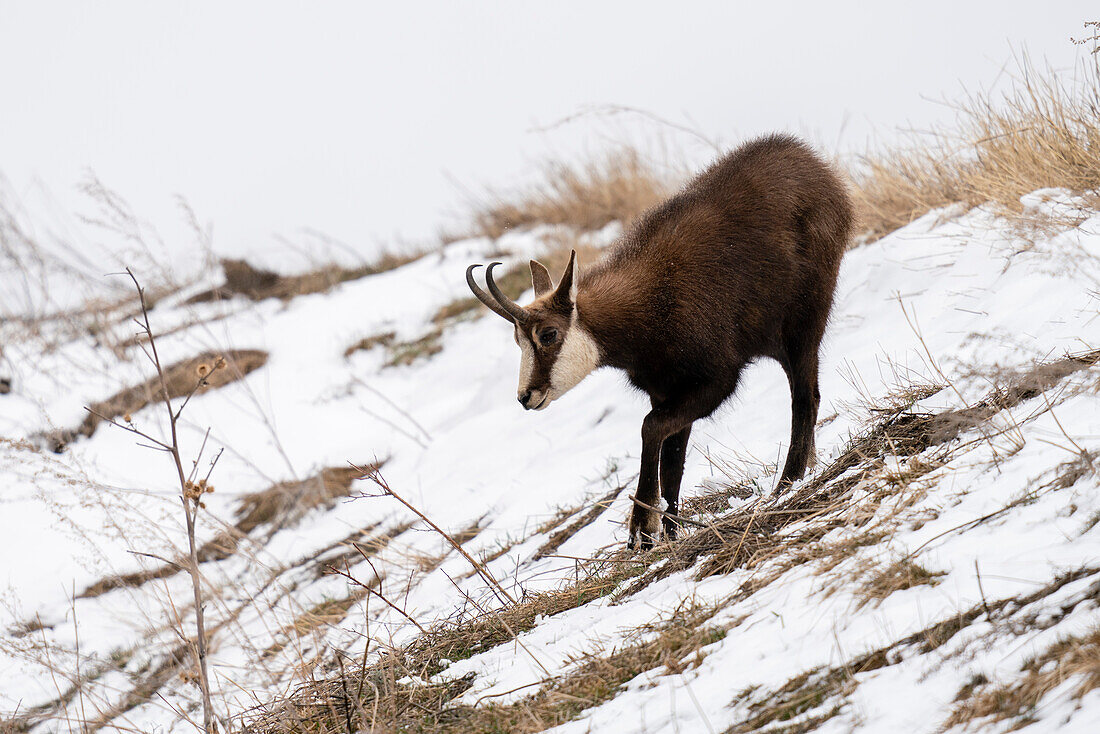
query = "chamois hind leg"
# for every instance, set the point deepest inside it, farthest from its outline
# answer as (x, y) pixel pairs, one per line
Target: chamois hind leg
(673, 453)
(805, 398)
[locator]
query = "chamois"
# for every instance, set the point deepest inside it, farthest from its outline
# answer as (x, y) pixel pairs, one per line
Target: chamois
(740, 264)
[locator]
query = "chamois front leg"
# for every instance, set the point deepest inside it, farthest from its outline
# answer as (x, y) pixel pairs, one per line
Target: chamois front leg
(660, 424)
(645, 525)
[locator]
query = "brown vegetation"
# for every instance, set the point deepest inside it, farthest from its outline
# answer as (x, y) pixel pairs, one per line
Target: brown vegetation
(278, 506)
(1043, 132)
(771, 528)
(194, 376)
(377, 702)
(903, 574)
(616, 187)
(1075, 658)
(243, 279)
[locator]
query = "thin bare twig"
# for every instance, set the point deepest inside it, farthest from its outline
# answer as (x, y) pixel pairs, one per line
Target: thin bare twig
(376, 476)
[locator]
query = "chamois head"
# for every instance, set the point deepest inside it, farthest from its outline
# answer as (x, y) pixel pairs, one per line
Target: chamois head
(557, 352)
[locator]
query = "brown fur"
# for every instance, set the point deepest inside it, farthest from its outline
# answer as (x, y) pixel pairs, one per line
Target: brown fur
(739, 265)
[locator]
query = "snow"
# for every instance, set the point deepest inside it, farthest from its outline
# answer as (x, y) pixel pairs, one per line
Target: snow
(954, 296)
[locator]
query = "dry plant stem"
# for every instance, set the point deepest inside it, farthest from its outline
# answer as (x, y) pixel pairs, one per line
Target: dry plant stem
(376, 477)
(346, 573)
(190, 507)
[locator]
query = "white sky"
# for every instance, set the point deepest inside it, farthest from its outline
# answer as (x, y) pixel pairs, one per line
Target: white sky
(357, 119)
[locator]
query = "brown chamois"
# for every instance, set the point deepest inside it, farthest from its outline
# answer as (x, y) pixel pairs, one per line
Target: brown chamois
(741, 264)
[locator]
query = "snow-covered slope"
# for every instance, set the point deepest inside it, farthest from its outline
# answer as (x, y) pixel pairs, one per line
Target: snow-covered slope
(976, 511)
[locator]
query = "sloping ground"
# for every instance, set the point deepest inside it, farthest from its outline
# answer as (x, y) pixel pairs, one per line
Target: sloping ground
(940, 568)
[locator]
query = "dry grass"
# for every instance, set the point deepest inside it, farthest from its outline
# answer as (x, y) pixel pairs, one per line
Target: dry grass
(1075, 658)
(1043, 132)
(327, 613)
(883, 581)
(782, 524)
(384, 705)
(285, 502)
(802, 704)
(403, 354)
(278, 506)
(616, 187)
(558, 538)
(367, 343)
(190, 377)
(243, 279)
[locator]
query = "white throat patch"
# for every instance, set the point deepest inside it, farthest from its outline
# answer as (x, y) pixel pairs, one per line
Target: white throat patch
(578, 357)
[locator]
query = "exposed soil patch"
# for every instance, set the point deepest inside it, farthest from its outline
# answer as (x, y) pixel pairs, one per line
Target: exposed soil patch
(243, 279)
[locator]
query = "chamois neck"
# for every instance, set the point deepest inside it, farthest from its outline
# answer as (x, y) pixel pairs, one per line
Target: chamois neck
(615, 310)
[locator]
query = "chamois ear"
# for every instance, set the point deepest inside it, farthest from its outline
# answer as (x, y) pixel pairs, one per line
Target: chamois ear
(566, 293)
(540, 278)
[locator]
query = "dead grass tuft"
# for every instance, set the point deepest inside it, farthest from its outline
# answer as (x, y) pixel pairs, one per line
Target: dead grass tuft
(257, 284)
(284, 503)
(194, 376)
(802, 704)
(558, 538)
(326, 613)
(367, 343)
(1075, 658)
(897, 576)
(403, 354)
(1042, 133)
(617, 187)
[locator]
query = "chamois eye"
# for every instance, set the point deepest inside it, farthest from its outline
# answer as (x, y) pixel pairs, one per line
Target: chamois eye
(548, 337)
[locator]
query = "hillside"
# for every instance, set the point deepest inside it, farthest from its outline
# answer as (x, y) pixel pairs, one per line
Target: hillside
(940, 567)
(318, 461)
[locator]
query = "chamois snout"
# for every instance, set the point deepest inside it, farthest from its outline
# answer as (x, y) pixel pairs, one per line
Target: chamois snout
(534, 399)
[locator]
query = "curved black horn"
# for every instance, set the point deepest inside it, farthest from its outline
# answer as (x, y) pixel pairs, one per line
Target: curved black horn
(482, 296)
(515, 312)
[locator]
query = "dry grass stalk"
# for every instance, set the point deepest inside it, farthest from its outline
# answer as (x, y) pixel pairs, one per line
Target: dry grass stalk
(375, 476)
(617, 187)
(191, 490)
(1044, 132)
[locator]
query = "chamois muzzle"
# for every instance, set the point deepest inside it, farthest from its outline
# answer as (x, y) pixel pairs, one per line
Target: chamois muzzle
(498, 303)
